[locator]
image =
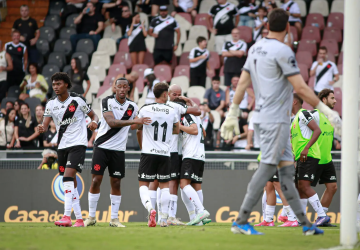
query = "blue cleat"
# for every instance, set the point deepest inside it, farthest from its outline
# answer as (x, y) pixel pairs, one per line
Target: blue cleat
(244, 229)
(313, 230)
(320, 221)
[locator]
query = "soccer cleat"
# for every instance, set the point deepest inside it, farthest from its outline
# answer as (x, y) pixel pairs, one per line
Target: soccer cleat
(244, 229)
(199, 224)
(313, 230)
(265, 224)
(79, 223)
(327, 225)
(206, 221)
(152, 218)
(282, 218)
(199, 217)
(163, 224)
(115, 223)
(172, 221)
(90, 221)
(65, 221)
(290, 224)
(322, 220)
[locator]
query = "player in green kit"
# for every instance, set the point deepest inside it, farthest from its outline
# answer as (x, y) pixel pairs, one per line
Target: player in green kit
(304, 134)
(326, 173)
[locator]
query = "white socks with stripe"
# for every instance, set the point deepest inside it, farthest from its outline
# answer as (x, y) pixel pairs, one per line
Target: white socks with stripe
(69, 192)
(153, 197)
(145, 198)
(269, 213)
(188, 204)
(315, 203)
(194, 198)
(289, 213)
(115, 205)
(173, 205)
(165, 203)
(93, 201)
(76, 204)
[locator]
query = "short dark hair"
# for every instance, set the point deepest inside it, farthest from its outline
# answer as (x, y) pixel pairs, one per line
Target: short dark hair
(325, 93)
(91, 4)
(200, 39)
(273, 5)
(216, 78)
(135, 14)
(15, 31)
(160, 88)
(323, 48)
(61, 76)
(278, 20)
(24, 6)
(36, 67)
(297, 97)
(262, 8)
(122, 79)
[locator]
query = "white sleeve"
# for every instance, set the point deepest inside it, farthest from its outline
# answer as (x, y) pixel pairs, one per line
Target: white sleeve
(48, 109)
(192, 54)
(141, 113)
(85, 108)
(176, 117)
(306, 117)
(336, 71)
(223, 47)
(313, 65)
(244, 47)
(287, 61)
(295, 9)
(106, 107)
(136, 110)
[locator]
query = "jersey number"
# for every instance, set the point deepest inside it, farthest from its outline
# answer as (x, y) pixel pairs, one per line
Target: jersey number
(202, 139)
(156, 130)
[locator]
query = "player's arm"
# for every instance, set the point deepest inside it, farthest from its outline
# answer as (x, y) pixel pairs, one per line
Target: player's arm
(94, 120)
(204, 132)
(316, 133)
(251, 94)
(192, 108)
(115, 123)
(176, 128)
(139, 137)
(192, 130)
(42, 128)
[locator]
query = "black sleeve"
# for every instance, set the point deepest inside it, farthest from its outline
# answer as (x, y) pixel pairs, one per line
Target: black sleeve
(86, 77)
(100, 18)
(189, 119)
(15, 26)
(105, 106)
(35, 25)
(16, 122)
(34, 121)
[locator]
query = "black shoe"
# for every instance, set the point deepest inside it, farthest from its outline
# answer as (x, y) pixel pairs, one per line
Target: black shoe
(327, 225)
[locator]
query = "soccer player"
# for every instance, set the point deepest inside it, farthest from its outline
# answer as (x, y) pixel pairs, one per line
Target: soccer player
(68, 111)
(326, 173)
(155, 153)
(304, 134)
(192, 168)
(109, 148)
(272, 68)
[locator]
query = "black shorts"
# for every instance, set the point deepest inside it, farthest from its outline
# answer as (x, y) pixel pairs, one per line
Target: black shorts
(103, 158)
(72, 157)
(154, 167)
(161, 55)
(174, 166)
(305, 171)
(325, 173)
(160, 2)
(193, 170)
(197, 80)
(292, 23)
(275, 177)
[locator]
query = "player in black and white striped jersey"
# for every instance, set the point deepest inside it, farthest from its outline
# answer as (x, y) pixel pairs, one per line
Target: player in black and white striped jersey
(199, 62)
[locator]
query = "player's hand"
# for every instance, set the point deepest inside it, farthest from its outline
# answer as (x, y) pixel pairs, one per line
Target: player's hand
(92, 126)
(231, 123)
(144, 120)
(17, 145)
(41, 128)
(303, 155)
(155, 35)
(90, 144)
(332, 116)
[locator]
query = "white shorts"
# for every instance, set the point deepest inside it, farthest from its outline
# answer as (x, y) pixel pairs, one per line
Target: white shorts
(275, 142)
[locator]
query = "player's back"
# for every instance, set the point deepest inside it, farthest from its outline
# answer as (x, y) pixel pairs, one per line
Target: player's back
(193, 145)
(269, 63)
(157, 135)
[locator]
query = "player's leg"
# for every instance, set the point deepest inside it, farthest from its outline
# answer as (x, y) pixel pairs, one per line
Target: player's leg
(163, 177)
(155, 194)
(283, 216)
(116, 172)
(268, 220)
(174, 186)
(291, 220)
(263, 203)
(147, 174)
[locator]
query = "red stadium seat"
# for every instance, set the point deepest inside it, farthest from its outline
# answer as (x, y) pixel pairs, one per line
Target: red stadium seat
(149, 59)
(311, 33)
(293, 31)
(182, 70)
(331, 45)
(221, 71)
(245, 33)
(340, 69)
(106, 85)
(336, 20)
(202, 19)
(304, 57)
(139, 68)
(174, 62)
(341, 57)
(184, 59)
(307, 45)
(122, 57)
(307, 106)
(331, 57)
(116, 69)
(163, 72)
(304, 71)
(315, 19)
(186, 16)
(338, 97)
(124, 45)
(214, 60)
(333, 33)
(196, 100)
(311, 82)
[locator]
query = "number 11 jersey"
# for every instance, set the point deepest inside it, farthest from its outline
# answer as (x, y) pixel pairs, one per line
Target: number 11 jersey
(157, 135)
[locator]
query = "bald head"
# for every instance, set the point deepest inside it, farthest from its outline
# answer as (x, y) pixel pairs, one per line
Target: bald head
(174, 91)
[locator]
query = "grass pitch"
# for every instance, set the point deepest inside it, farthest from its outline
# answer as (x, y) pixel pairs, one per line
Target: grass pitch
(139, 236)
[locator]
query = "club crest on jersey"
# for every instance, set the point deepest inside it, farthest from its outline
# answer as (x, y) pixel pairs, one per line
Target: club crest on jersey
(72, 107)
(129, 112)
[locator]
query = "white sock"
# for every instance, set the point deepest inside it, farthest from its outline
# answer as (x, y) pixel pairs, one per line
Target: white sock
(158, 203)
(201, 196)
(115, 205)
(326, 209)
(93, 201)
(153, 197)
(269, 213)
(283, 212)
(165, 203)
(194, 198)
(69, 191)
(76, 204)
(358, 209)
(263, 204)
(173, 205)
(289, 213)
(145, 198)
(188, 204)
(315, 203)
(304, 204)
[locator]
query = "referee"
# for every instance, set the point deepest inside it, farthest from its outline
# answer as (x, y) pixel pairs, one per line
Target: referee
(162, 28)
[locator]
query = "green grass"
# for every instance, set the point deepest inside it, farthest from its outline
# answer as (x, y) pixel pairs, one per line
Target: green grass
(139, 236)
